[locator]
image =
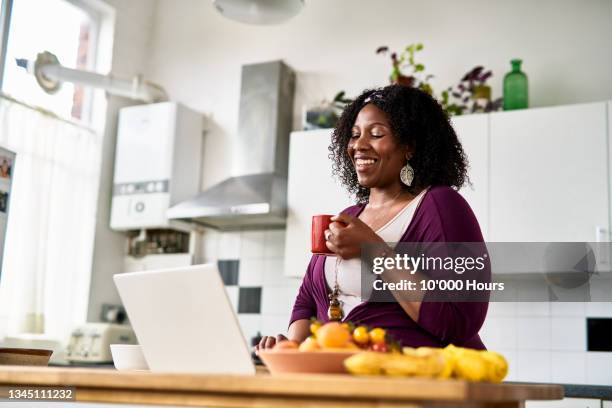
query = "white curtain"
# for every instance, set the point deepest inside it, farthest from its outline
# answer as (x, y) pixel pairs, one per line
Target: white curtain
(44, 282)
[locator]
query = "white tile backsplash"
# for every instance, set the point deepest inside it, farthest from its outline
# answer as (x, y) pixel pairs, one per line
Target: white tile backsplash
(232, 294)
(533, 366)
(250, 325)
(533, 333)
(568, 333)
(599, 368)
(500, 332)
(273, 325)
(565, 309)
(210, 245)
(251, 272)
(274, 274)
(277, 300)
(506, 309)
(532, 309)
(274, 243)
(599, 309)
(568, 367)
(229, 245)
(252, 245)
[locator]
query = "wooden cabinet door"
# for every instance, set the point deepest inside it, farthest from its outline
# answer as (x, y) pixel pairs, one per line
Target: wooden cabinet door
(311, 190)
(549, 174)
(473, 132)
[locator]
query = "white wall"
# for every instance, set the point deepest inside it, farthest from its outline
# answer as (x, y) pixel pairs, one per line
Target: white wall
(130, 48)
(196, 54)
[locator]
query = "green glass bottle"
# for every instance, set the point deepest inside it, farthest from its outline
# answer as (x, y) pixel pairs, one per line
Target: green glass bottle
(515, 87)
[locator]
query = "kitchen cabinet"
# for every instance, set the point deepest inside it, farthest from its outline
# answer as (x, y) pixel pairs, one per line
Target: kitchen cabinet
(473, 132)
(311, 190)
(549, 174)
(566, 403)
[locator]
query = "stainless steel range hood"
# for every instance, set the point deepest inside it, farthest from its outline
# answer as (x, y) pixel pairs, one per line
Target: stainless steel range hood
(256, 196)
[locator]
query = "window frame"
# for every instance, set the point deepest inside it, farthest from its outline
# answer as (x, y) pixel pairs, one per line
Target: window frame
(97, 13)
(5, 21)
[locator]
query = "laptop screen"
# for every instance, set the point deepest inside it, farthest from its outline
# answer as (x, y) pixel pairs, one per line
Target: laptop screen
(7, 162)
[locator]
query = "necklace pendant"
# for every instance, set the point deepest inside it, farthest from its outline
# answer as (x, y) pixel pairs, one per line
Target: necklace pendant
(334, 312)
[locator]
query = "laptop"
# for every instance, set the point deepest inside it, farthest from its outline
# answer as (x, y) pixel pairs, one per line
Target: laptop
(184, 320)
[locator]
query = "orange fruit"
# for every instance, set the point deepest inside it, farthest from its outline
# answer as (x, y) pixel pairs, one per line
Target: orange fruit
(361, 336)
(333, 335)
(310, 344)
(377, 335)
(286, 345)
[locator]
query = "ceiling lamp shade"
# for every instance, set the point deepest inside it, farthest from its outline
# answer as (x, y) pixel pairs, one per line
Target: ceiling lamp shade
(259, 12)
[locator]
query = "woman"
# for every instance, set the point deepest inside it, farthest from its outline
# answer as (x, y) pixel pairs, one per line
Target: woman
(395, 150)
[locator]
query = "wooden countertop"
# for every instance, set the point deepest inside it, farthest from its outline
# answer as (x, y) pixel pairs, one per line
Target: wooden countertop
(263, 390)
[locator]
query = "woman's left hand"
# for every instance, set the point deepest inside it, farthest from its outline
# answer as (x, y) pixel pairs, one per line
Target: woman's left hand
(346, 234)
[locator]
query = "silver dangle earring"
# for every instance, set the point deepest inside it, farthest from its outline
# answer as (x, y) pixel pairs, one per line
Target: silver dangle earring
(407, 174)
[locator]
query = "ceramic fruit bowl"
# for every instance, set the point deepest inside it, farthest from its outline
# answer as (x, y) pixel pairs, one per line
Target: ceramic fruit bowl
(294, 361)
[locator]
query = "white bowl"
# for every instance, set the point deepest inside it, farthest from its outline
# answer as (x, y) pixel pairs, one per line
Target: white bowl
(128, 357)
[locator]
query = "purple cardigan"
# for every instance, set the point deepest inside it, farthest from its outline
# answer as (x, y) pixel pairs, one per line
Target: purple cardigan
(442, 216)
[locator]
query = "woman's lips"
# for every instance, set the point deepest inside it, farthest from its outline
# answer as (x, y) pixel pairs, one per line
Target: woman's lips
(364, 164)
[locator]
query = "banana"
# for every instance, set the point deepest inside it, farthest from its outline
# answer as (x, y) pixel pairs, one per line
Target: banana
(448, 362)
(426, 365)
(366, 363)
(498, 366)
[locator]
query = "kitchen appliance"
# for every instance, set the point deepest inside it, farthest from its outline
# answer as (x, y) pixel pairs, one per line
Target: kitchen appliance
(90, 342)
(157, 163)
(200, 331)
(256, 196)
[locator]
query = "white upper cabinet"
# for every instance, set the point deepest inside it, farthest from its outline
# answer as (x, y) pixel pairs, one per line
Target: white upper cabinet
(311, 190)
(473, 132)
(549, 174)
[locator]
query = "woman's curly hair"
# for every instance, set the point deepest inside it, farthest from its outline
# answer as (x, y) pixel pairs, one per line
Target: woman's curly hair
(418, 121)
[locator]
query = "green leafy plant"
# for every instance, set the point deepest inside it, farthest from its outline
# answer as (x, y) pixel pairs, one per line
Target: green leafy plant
(340, 101)
(405, 70)
(327, 114)
(472, 94)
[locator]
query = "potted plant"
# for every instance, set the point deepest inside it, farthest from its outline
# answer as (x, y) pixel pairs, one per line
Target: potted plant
(326, 115)
(472, 87)
(405, 70)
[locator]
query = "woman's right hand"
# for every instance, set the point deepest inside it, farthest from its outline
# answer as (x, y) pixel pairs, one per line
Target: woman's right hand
(267, 342)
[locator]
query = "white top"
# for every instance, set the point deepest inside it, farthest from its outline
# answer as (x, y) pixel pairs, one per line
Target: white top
(349, 271)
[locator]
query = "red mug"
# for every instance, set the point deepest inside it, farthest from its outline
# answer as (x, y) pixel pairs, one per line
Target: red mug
(319, 224)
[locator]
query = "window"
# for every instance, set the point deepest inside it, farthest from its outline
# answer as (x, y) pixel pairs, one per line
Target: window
(48, 255)
(62, 27)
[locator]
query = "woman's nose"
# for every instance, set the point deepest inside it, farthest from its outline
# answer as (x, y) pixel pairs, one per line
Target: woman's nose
(360, 143)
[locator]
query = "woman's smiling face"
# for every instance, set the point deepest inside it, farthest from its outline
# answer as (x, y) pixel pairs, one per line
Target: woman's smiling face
(374, 149)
